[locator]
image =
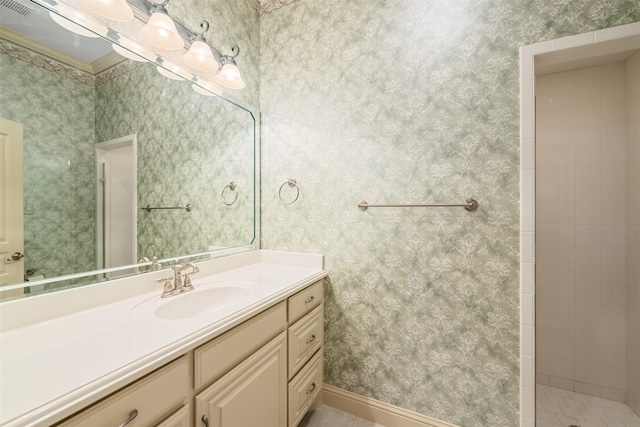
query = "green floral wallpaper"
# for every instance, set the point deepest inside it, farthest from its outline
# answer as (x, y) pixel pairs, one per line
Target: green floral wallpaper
(409, 101)
(189, 148)
(58, 157)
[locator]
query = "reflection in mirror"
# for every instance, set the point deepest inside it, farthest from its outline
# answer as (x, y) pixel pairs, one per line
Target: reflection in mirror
(105, 137)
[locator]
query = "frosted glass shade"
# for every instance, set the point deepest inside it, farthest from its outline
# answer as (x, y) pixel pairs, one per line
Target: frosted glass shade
(115, 10)
(72, 26)
(200, 57)
(229, 77)
(168, 74)
(127, 53)
(161, 32)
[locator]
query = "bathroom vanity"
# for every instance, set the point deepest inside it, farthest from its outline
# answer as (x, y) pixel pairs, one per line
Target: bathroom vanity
(245, 348)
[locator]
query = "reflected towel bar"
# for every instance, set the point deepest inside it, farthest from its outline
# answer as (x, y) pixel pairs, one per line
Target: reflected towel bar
(470, 205)
(149, 208)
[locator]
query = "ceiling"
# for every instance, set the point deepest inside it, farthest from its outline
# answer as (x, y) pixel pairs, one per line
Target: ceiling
(34, 22)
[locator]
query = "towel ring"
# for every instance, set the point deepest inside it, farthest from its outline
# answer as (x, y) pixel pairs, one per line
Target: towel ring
(291, 183)
(232, 187)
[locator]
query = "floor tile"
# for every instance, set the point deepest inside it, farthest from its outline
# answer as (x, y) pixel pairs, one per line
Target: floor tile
(562, 408)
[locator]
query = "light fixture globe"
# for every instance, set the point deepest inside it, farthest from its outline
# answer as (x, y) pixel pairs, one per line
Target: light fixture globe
(229, 77)
(161, 32)
(200, 57)
(115, 10)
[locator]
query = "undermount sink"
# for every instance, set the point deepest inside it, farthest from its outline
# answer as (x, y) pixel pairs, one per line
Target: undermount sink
(196, 303)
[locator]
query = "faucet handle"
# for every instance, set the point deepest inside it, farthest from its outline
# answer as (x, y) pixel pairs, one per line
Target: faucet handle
(168, 286)
(187, 285)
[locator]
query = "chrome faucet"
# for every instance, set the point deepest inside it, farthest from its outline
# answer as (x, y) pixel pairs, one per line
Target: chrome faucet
(176, 285)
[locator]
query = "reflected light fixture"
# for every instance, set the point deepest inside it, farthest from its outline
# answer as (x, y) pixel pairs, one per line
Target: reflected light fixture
(206, 89)
(170, 74)
(127, 53)
(115, 10)
(72, 26)
(160, 31)
(229, 76)
(199, 55)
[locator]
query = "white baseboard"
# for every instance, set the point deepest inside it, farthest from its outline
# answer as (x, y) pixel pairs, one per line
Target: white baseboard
(375, 410)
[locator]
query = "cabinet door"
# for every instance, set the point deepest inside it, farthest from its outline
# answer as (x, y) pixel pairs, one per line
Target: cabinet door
(253, 394)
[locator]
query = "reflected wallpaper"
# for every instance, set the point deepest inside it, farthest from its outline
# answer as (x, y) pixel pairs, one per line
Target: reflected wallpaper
(410, 101)
(59, 190)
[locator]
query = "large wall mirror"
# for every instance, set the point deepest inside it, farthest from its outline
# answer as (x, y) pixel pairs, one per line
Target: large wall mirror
(120, 163)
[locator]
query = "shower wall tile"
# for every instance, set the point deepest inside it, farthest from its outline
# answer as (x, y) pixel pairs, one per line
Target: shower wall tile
(581, 196)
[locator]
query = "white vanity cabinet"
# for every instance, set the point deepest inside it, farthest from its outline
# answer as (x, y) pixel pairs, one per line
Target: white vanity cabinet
(305, 349)
(265, 372)
(277, 384)
(160, 398)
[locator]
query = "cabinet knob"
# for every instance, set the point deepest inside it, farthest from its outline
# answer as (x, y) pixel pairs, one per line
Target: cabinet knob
(308, 300)
(312, 339)
(132, 415)
(205, 421)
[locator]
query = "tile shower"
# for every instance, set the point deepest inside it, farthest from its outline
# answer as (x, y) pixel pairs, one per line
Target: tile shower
(587, 243)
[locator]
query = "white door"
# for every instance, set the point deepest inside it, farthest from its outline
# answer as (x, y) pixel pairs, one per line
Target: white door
(116, 204)
(11, 219)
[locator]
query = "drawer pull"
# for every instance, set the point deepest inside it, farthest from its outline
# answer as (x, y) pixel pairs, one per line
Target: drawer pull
(313, 387)
(205, 421)
(308, 300)
(132, 415)
(310, 340)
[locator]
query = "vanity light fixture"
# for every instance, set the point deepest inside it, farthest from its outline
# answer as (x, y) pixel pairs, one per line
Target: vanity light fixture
(115, 10)
(160, 31)
(199, 55)
(229, 76)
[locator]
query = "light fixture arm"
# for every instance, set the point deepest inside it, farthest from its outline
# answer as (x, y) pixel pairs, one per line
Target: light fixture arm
(205, 27)
(230, 59)
(143, 9)
(155, 7)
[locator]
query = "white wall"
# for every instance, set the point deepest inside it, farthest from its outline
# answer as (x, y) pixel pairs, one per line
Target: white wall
(580, 224)
(633, 231)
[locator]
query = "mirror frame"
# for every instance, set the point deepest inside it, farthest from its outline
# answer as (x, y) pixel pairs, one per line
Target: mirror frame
(112, 36)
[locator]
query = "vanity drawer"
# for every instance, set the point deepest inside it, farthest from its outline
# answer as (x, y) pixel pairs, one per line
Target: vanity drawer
(152, 397)
(180, 418)
(305, 338)
(304, 388)
(305, 301)
(221, 354)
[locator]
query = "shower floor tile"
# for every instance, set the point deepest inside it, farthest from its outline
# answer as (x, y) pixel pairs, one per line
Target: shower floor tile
(562, 408)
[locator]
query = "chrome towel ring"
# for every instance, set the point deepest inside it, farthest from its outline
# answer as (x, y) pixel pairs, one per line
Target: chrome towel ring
(232, 188)
(292, 183)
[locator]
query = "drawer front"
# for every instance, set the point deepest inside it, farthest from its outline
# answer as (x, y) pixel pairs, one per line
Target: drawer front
(218, 356)
(305, 301)
(152, 397)
(305, 338)
(304, 388)
(180, 418)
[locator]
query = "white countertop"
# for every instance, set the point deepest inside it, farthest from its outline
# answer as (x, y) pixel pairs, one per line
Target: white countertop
(61, 352)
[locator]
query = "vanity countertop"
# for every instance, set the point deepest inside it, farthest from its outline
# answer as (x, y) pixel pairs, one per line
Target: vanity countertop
(62, 351)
